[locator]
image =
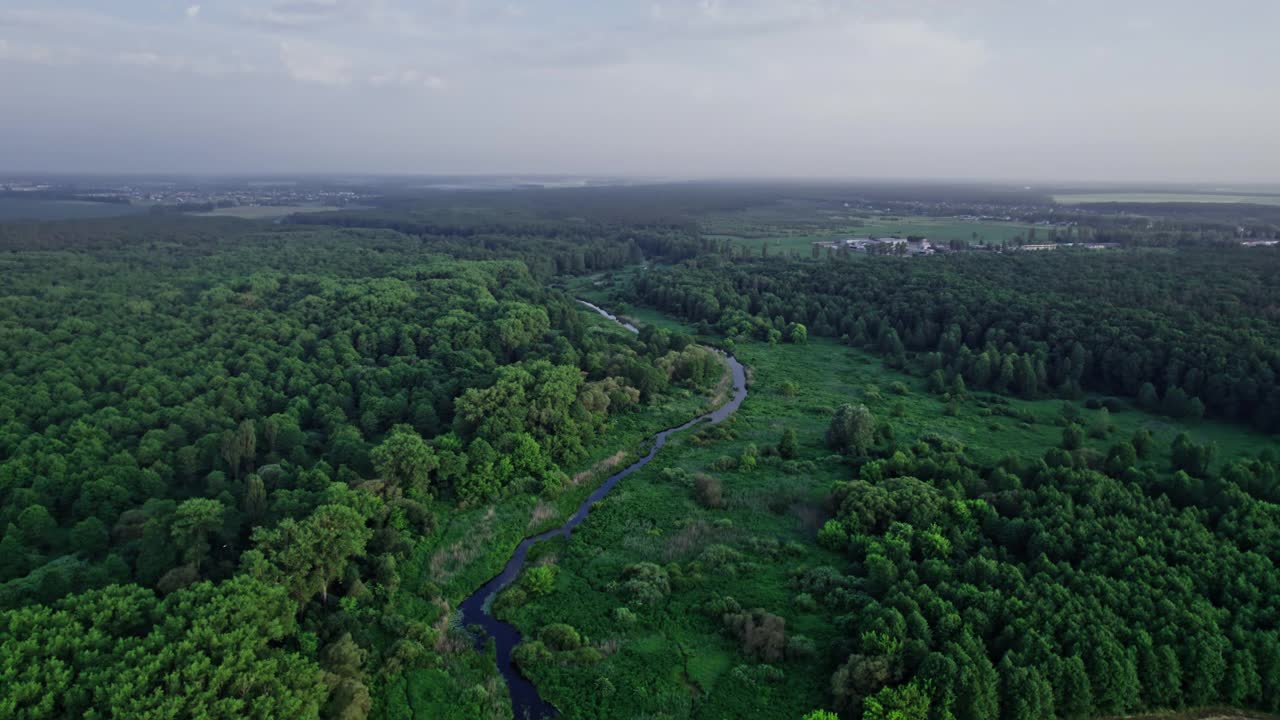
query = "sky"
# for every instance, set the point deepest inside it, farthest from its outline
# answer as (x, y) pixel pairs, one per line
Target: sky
(1125, 90)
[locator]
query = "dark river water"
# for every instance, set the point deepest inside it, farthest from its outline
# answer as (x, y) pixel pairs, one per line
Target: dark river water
(475, 609)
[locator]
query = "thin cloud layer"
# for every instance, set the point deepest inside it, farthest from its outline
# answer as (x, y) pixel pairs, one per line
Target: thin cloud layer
(916, 88)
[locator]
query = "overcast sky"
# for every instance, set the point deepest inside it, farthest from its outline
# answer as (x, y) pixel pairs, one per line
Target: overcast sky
(1037, 89)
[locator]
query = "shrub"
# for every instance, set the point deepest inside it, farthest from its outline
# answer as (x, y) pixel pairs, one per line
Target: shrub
(1072, 437)
(721, 605)
(1102, 425)
(530, 653)
(832, 536)
(540, 580)
(560, 636)
(1057, 457)
(675, 475)
(513, 597)
(624, 616)
(720, 557)
(586, 655)
(789, 445)
(798, 467)
(1142, 442)
(709, 491)
(789, 388)
(851, 430)
(724, 462)
(805, 602)
(762, 634)
(604, 687)
(1192, 458)
(755, 675)
(646, 583)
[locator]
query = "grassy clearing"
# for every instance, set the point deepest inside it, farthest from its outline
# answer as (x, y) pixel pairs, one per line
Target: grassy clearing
(670, 654)
(1157, 197)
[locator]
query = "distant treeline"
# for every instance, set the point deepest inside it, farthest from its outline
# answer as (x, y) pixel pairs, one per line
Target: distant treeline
(547, 246)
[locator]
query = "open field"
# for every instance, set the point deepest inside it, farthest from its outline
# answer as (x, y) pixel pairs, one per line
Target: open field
(1080, 198)
(22, 209)
(266, 212)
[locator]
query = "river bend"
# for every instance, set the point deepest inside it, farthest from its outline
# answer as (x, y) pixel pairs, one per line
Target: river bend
(525, 700)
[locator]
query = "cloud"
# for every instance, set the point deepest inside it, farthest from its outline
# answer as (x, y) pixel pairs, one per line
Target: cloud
(309, 63)
(299, 14)
(37, 54)
(823, 86)
(407, 79)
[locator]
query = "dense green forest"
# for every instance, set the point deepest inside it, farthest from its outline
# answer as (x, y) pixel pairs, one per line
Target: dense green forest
(250, 470)
(1186, 333)
(266, 421)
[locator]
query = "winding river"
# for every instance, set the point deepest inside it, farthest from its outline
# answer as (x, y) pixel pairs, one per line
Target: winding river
(525, 700)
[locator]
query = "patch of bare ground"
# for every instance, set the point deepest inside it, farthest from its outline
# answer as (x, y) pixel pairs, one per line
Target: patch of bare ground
(723, 390)
(449, 638)
(448, 560)
(542, 512)
(604, 465)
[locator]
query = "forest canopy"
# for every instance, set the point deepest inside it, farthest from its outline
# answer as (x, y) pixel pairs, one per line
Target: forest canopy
(249, 470)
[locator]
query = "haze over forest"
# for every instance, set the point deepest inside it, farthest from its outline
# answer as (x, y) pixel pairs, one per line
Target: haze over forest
(639, 360)
(1143, 90)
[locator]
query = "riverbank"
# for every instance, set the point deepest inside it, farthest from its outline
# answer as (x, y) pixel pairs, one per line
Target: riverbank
(502, 638)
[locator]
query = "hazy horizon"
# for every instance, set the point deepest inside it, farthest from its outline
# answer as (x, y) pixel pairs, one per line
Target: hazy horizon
(1047, 91)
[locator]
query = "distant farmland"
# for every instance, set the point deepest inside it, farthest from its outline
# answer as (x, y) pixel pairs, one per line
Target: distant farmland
(1082, 198)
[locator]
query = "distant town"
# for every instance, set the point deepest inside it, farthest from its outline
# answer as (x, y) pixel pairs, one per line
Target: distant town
(917, 246)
